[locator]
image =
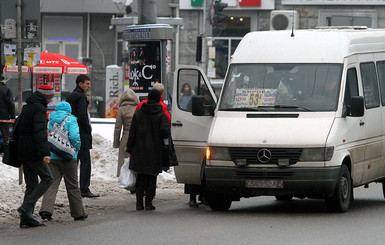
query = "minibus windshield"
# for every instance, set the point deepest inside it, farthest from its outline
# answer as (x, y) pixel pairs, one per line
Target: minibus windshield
(281, 87)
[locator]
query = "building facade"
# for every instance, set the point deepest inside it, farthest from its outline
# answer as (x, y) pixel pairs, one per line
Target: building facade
(91, 30)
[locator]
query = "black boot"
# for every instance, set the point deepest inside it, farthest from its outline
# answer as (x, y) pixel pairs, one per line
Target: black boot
(193, 203)
(139, 201)
(149, 205)
(28, 223)
(26, 214)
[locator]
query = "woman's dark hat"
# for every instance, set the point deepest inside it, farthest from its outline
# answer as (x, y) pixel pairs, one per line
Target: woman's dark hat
(154, 95)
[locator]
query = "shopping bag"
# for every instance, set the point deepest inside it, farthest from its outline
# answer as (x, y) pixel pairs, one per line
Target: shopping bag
(10, 153)
(169, 158)
(127, 178)
(59, 142)
(10, 147)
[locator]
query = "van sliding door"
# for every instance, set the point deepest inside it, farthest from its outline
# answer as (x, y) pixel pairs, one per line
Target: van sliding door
(373, 117)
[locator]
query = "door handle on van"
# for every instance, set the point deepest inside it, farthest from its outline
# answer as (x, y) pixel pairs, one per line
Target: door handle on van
(362, 123)
(177, 124)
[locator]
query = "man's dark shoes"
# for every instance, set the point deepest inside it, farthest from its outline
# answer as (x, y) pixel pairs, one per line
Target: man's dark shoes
(26, 223)
(45, 215)
(150, 207)
(89, 194)
(83, 217)
(26, 214)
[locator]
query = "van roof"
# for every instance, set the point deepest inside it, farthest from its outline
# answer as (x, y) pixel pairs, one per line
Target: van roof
(307, 46)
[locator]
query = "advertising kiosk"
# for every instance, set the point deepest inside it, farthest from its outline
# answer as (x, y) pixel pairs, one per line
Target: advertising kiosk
(145, 47)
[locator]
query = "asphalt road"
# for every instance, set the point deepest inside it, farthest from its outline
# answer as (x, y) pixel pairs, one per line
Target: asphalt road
(260, 220)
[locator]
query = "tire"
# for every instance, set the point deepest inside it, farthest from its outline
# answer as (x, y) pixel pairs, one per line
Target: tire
(219, 202)
(340, 200)
(284, 197)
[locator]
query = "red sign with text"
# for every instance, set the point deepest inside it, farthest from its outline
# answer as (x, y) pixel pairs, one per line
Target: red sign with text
(249, 2)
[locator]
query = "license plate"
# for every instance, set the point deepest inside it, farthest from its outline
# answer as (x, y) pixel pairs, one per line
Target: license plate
(268, 183)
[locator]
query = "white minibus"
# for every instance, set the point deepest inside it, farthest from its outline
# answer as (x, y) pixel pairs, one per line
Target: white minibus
(300, 115)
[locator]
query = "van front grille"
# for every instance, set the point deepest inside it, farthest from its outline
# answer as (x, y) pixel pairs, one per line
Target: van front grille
(266, 155)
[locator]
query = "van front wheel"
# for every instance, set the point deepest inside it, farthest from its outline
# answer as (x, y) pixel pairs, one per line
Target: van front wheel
(219, 202)
(340, 200)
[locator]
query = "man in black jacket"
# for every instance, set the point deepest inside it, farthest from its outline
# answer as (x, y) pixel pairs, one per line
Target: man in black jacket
(33, 151)
(7, 109)
(149, 128)
(79, 104)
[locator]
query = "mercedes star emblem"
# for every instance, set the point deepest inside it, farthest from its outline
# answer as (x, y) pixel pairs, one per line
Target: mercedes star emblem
(264, 155)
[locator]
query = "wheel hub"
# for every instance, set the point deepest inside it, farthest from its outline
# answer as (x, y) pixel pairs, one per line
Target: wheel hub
(344, 187)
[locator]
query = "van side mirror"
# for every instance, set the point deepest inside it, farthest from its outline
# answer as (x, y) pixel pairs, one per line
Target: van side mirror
(358, 106)
(197, 105)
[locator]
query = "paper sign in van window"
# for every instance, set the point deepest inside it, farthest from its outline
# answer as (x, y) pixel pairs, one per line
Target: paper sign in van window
(254, 97)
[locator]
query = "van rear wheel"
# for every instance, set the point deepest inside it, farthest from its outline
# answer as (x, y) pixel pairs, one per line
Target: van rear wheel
(219, 202)
(340, 200)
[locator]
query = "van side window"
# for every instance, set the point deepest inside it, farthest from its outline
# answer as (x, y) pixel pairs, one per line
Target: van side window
(370, 85)
(381, 77)
(351, 86)
(190, 82)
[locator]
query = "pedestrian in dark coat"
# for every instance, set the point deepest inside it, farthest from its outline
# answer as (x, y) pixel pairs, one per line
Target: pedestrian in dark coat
(33, 151)
(148, 130)
(7, 109)
(79, 104)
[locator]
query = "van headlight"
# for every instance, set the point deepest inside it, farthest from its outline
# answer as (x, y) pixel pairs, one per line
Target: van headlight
(218, 153)
(316, 154)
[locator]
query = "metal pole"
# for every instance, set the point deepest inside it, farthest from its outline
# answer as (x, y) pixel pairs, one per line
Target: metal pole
(147, 12)
(177, 38)
(19, 70)
(19, 55)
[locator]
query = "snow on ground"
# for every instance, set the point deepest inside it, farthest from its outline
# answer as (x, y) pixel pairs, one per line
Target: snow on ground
(104, 161)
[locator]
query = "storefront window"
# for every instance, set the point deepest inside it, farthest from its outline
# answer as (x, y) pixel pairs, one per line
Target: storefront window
(232, 27)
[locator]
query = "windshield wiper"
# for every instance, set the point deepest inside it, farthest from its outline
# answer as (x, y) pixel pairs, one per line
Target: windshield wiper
(244, 109)
(288, 107)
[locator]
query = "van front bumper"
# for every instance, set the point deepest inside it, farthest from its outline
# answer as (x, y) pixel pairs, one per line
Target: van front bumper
(239, 182)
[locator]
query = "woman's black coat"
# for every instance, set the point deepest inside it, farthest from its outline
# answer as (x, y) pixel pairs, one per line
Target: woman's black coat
(32, 143)
(145, 144)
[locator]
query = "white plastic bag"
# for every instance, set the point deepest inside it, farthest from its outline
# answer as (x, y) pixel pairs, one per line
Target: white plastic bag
(127, 178)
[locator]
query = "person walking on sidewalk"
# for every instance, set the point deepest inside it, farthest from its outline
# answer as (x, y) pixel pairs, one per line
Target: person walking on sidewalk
(33, 151)
(7, 109)
(148, 130)
(79, 104)
(127, 104)
(62, 168)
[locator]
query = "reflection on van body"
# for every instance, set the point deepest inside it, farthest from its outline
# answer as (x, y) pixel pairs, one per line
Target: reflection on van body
(300, 116)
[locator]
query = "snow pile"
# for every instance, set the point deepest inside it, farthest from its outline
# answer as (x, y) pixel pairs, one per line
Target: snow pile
(104, 159)
(8, 173)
